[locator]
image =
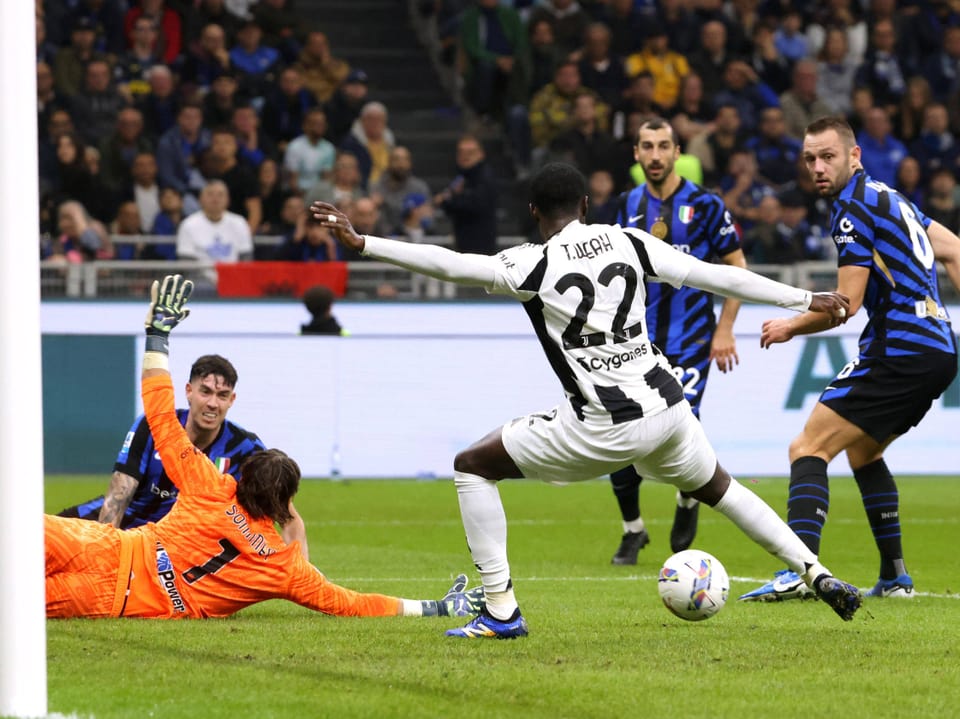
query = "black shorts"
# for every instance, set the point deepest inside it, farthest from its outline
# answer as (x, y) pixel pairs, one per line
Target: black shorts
(886, 396)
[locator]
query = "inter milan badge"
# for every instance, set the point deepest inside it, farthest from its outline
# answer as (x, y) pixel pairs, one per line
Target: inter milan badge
(659, 229)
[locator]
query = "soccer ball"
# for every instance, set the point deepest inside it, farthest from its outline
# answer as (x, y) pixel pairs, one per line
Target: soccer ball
(693, 585)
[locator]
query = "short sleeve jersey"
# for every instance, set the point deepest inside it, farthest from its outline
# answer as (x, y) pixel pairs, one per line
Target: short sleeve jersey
(695, 221)
(155, 493)
(584, 293)
(876, 227)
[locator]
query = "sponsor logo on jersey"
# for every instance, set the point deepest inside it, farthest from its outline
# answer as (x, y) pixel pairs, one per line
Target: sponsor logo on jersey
(162, 493)
(635, 219)
(595, 364)
(686, 214)
(127, 441)
(156, 456)
(167, 579)
(846, 226)
(843, 239)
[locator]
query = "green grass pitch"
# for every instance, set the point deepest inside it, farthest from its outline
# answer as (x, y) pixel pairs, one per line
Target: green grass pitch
(601, 643)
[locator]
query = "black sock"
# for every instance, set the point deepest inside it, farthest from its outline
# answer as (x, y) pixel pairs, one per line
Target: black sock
(809, 500)
(882, 503)
(626, 487)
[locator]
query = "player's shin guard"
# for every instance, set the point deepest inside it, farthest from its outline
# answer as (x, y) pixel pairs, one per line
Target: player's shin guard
(809, 500)
(882, 504)
(626, 488)
(485, 524)
(757, 520)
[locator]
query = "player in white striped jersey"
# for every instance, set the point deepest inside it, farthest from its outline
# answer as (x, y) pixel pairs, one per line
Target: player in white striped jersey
(583, 290)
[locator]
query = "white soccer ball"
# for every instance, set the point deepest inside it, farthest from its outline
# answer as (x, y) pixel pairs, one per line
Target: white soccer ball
(693, 585)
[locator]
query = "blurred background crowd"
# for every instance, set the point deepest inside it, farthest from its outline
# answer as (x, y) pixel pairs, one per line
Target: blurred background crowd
(215, 123)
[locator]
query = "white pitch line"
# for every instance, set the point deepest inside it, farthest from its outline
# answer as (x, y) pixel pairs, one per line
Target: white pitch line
(624, 578)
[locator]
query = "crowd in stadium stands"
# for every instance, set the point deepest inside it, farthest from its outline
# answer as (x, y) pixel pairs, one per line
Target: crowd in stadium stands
(142, 104)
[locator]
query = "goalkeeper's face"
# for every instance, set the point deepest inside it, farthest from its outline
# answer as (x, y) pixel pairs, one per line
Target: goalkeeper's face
(209, 398)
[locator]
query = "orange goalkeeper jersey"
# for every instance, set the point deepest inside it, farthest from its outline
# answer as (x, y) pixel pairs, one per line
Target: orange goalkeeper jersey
(207, 558)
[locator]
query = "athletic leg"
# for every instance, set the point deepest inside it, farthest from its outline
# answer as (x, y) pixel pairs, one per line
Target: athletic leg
(626, 488)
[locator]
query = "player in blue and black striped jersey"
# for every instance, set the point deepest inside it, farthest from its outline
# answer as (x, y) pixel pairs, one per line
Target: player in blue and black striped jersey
(680, 320)
(140, 490)
(887, 251)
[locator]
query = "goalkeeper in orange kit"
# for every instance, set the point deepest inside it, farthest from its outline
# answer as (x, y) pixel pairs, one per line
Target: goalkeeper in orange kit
(218, 550)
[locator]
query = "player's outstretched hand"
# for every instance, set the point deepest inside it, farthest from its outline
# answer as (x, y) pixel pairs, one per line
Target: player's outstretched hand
(460, 601)
(330, 216)
(167, 304)
(832, 303)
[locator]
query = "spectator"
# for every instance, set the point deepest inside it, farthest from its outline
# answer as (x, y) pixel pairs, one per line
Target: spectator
(167, 222)
(551, 109)
(344, 185)
(279, 23)
(178, 154)
(344, 107)
(319, 303)
(58, 124)
(366, 219)
(604, 203)
(912, 107)
(286, 107)
(256, 64)
(167, 22)
(600, 69)
(417, 218)
(209, 12)
(667, 67)
(495, 68)
(253, 145)
(143, 189)
(711, 57)
(132, 70)
(843, 14)
(881, 70)
(310, 241)
(76, 180)
(48, 99)
(715, 148)
(744, 89)
(836, 72)
(205, 62)
(942, 68)
(272, 197)
(309, 157)
(322, 72)
(396, 185)
(800, 103)
(789, 39)
(795, 228)
(941, 205)
(70, 64)
(771, 67)
(96, 107)
(681, 24)
(742, 189)
(221, 163)
(909, 181)
(861, 102)
(106, 17)
(118, 151)
(692, 115)
(880, 151)
(569, 22)
(638, 99)
(160, 104)
(219, 104)
(127, 225)
(545, 55)
(470, 201)
(293, 214)
(776, 151)
(935, 147)
(370, 140)
(214, 234)
(81, 238)
(626, 24)
(46, 50)
(764, 243)
(585, 145)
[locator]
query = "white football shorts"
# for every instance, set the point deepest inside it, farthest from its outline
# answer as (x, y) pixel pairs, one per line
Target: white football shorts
(555, 446)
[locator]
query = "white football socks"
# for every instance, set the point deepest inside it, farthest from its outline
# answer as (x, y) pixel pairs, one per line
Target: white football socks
(485, 524)
(765, 527)
(635, 526)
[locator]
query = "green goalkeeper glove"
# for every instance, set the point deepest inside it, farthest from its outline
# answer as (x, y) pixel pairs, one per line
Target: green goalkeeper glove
(457, 602)
(167, 300)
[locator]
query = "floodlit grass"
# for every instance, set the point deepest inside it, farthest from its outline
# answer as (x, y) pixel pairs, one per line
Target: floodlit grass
(601, 644)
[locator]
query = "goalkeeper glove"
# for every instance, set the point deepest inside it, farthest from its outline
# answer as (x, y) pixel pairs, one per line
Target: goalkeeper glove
(166, 311)
(457, 602)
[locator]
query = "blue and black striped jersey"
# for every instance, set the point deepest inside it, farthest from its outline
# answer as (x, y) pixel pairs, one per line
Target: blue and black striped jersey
(680, 321)
(155, 493)
(874, 226)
